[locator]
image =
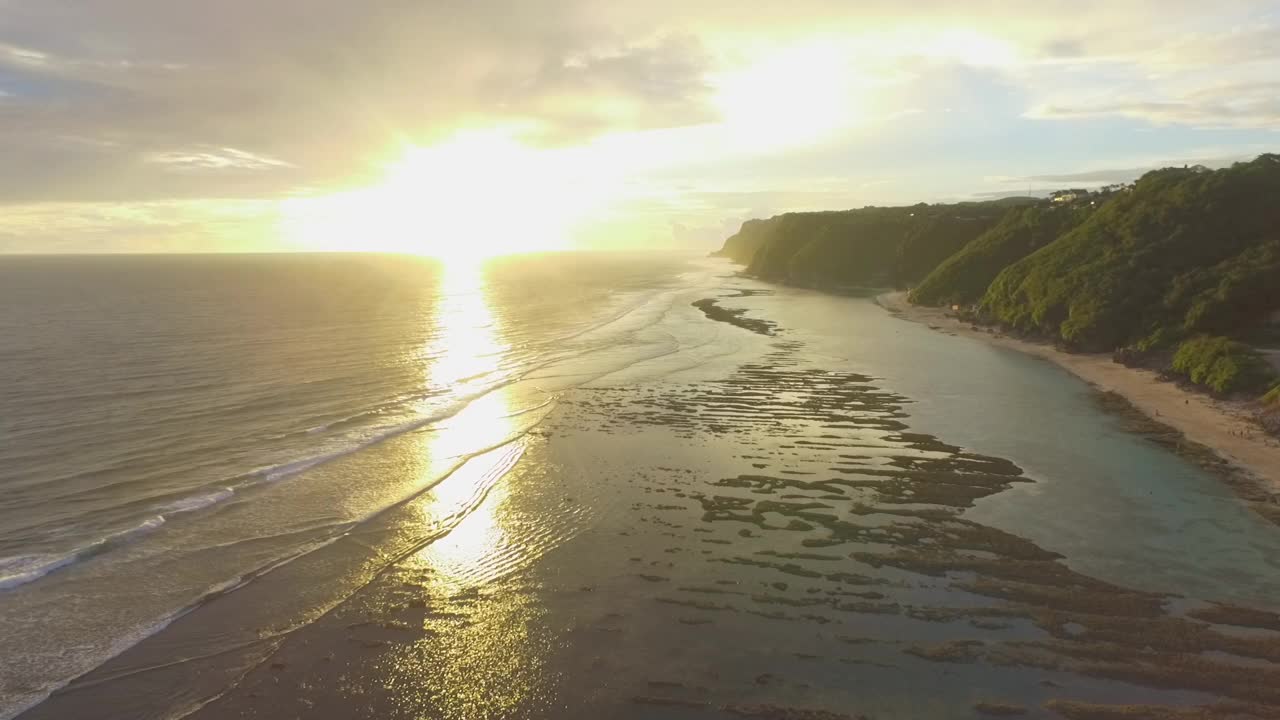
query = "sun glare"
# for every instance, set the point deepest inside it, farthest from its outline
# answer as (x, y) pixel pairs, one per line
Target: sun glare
(478, 195)
(796, 95)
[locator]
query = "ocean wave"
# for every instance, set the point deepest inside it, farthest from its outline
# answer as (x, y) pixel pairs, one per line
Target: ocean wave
(506, 374)
(642, 313)
(18, 704)
(15, 571)
(398, 404)
(197, 502)
(20, 570)
(358, 417)
(275, 473)
(552, 397)
(11, 567)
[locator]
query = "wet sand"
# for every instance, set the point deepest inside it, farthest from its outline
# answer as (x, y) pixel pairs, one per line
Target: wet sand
(1220, 426)
(770, 539)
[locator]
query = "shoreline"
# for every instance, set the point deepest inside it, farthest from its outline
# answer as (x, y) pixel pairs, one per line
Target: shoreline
(673, 541)
(1253, 457)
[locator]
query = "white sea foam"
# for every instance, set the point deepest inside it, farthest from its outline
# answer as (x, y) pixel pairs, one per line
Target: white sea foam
(197, 502)
(20, 570)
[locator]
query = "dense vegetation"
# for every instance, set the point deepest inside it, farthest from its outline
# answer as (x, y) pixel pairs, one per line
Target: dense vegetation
(1173, 265)
(1269, 415)
(872, 245)
(1188, 251)
(1273, 396)
(1222, 365)
(964, 277)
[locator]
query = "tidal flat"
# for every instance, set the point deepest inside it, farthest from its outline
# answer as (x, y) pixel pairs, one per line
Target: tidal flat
(773, 533)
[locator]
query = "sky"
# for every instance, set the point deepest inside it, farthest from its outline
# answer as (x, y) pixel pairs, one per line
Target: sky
(494, 126)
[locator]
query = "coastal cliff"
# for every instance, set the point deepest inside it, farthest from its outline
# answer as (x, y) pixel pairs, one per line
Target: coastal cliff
(963, 278)
(872, 245)
(1176, 272)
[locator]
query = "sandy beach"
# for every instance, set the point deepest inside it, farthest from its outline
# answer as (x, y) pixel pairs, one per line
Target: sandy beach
(1221, 426)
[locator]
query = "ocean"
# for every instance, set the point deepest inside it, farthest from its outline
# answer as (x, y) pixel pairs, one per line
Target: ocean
(158, 415)
(553, 486)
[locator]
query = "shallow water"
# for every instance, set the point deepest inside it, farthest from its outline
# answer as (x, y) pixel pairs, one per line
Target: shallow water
(683, 517)
(1116, 505)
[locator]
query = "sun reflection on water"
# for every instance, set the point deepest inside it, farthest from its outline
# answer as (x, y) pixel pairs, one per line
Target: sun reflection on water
(465, 348)
(465, 557)
(486, 647)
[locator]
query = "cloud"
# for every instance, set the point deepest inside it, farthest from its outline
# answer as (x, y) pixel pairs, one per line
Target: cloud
(141, 101)
(23, 56)
(329, 86)
(1104, 177)
(213, 159)
(1208, 157)
(655, 84)
(1206, 77)
(998, 194)
(1239, 106)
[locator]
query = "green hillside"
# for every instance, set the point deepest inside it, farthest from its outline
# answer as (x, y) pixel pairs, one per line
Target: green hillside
(1188, 251)
(1176, 269)
(963, 278)
(872, 245)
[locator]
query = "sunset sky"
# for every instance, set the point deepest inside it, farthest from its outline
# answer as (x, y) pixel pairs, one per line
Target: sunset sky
(174, 125)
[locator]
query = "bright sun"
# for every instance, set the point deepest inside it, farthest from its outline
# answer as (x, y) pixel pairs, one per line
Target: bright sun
(478, 195)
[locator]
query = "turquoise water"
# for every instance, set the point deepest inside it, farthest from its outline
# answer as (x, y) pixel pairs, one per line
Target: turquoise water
(1114, 504)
